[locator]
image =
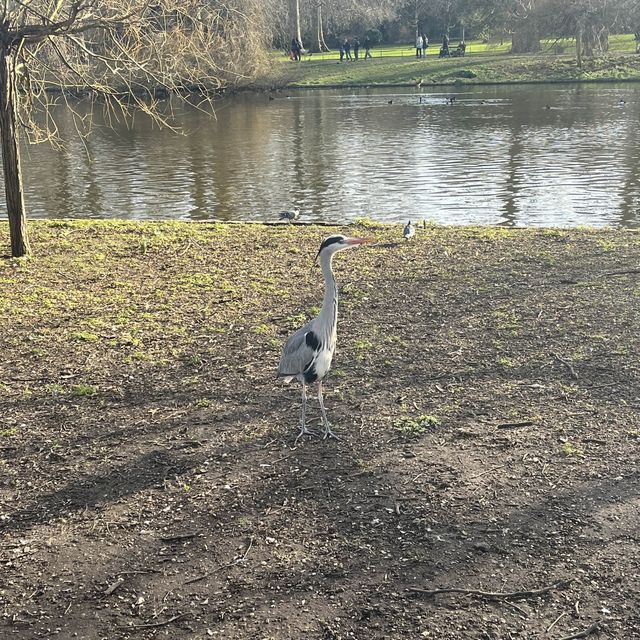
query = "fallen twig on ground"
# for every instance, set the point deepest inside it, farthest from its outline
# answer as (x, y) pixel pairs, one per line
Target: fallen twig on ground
(620, 273)
(555, 622)
(492, 595)
(154, 625)
(484, 473)
(566, 363)
(515, 425)
(111, 588)
(179, 536)
(583, 634)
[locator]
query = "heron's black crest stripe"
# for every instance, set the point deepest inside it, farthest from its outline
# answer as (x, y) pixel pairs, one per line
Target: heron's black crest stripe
(331, 240)
(312, 341)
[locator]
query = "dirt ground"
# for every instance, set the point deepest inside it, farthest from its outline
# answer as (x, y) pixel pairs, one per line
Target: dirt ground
(486, 387)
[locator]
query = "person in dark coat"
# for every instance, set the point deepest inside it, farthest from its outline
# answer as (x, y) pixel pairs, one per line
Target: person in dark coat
(367, 48)
(296, 48)
(356, 48)
(347, 49)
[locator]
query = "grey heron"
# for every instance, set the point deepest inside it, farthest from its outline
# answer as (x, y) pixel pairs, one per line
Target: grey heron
(294, 214)
(409, 231)
(307, 354)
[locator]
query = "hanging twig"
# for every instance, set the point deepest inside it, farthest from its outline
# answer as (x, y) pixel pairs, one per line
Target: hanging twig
(492, 595)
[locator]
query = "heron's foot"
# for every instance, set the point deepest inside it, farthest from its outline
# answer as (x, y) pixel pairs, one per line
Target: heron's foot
(329, 434)
(305, 432)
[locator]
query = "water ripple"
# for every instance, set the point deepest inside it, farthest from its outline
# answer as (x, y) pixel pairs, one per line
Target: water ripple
(526, 156)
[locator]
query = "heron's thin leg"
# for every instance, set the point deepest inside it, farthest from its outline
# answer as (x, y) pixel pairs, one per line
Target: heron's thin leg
(327, 427)
(303, 412)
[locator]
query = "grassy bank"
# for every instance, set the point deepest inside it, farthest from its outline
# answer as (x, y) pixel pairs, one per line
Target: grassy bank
(484, 63)
(485, 384)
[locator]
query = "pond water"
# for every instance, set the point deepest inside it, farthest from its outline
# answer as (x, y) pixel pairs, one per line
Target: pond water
(531, 155)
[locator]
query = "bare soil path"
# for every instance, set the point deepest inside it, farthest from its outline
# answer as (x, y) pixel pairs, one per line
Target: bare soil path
(486, 386)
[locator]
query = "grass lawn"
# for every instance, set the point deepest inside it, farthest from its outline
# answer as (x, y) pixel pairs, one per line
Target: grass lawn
(485, 387)
(483, 63)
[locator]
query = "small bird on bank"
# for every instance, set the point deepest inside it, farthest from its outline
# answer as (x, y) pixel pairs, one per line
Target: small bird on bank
(409, 231)
(307, 354)
(294, 214)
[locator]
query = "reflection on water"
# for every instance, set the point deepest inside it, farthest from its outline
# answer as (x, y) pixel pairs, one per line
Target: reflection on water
(558, 155)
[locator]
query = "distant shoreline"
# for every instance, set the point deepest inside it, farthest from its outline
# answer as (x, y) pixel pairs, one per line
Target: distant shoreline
(472, 69)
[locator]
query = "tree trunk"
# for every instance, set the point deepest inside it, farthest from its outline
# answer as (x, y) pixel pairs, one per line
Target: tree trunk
(322, 44)
(525, 38)
(596, 40)
(579, 47)
(294, 19)
(11, 157)
(314, 45)
(318, 44)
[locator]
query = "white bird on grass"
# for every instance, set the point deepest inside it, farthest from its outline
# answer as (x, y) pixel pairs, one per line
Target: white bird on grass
(409, 231)
(294, 214)
(307, 354)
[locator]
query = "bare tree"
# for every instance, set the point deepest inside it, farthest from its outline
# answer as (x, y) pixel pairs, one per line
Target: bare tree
(121, 54)
(317, 28)
(294, 20)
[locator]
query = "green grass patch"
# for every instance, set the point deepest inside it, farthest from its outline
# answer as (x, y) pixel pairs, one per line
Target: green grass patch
(80, 390)
(409, 426)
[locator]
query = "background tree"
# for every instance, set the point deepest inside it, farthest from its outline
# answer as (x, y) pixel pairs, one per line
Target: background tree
(294, 20)
(120, 54)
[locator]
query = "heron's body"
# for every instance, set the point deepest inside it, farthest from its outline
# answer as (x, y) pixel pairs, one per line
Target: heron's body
(308, 353)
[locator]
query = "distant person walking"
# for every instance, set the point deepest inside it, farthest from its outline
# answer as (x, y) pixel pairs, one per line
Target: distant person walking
(419, 46)
(445, 46)
(347, 49)
(356, 49)
(367, 48)
(341, 52)
(425, 44)
(296, 49)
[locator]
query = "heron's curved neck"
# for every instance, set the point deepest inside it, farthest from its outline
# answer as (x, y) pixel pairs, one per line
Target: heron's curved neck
(330, 302)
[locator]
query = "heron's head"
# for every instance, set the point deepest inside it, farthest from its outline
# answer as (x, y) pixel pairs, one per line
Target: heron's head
(336, 243)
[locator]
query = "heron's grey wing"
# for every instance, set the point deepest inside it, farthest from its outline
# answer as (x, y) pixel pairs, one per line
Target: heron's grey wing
(299, 351)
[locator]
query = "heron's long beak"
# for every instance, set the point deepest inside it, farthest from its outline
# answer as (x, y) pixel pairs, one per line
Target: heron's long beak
(355, 241)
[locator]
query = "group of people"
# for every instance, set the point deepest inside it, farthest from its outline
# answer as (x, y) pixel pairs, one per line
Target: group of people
(422, 42)
(347, 46)
(445, 52)
(350, 51)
